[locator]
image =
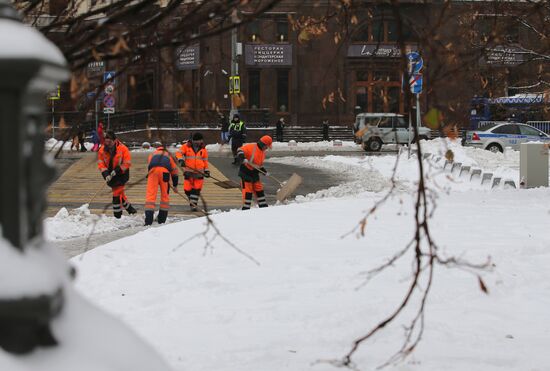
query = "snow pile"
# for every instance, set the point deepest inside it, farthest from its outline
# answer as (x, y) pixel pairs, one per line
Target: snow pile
(472, 156)
(346, 146)
(374, 173)
(81, 222)
(99, 342)
(213, 309)
(53, 144)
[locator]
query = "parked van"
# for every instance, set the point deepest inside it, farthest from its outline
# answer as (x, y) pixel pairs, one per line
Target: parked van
(372, 130)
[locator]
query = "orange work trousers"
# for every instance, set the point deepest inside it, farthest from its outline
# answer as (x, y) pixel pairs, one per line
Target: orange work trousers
(250, 189)
(192, 188)
(158, 177)
(119, 199)
(192, 183)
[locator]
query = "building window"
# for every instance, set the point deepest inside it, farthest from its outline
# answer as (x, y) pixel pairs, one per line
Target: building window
(282, 30)
(489, 27)
(391, 31)
(254, 89)
(378, 91)
(383, 31)
(253, 31)
(282, 91)
(140, 91)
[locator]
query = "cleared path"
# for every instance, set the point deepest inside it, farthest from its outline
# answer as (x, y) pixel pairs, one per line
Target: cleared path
(77, 185)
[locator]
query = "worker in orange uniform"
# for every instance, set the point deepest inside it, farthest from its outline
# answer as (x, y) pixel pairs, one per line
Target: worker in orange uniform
(114, 160)
(193, 157)
(251, 156)
(161, 167)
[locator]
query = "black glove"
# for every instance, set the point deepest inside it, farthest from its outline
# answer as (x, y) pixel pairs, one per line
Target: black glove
(207, 173)
(181, 162)
(105, 174)
(118, 170)
(263, 170)
(175, 180)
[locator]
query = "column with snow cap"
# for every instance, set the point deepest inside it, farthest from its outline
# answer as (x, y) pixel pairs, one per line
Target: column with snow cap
(30, 66)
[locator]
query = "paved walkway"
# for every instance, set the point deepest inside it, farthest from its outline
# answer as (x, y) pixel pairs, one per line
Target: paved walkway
(78, 184)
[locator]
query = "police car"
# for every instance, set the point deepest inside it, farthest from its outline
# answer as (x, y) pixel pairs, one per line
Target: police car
(498, 135)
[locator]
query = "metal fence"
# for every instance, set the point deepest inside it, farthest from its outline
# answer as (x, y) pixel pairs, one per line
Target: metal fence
(135, 120)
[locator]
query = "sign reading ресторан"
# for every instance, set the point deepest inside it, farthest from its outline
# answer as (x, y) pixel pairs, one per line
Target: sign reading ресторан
(268, 54)
(378, 50)
(503, 56)
(95, 68)
(187, 57)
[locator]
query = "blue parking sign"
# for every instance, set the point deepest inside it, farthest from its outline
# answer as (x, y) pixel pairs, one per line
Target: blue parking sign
(109, 76)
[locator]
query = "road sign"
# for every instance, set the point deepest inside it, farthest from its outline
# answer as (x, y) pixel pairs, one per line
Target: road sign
(108, 110)
(415, 62)
(55, 95)
(109, 89)
(415, 82)
(109, 101)
(109, 76)
(234, 84)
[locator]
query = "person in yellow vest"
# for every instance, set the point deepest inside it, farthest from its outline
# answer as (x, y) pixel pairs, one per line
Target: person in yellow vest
(252, 156)
(193, 157)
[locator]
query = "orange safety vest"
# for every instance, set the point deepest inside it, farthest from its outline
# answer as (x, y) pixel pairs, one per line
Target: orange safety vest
(161, 158)
(253, 154)
(121, 158)
(193, 160)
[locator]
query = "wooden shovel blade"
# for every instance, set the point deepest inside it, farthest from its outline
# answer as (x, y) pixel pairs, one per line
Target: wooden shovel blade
(227, 184)
(288, 187)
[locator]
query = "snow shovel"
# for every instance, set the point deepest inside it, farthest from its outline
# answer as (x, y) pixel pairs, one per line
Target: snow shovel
(226, 184)
(287, 187)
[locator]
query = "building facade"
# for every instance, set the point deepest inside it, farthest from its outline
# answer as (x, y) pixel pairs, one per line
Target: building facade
(468, 48)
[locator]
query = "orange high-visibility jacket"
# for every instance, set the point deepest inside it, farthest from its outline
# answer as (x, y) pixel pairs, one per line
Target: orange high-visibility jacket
(161, 158)
(193, 160)
(253, 154)
(121, 158)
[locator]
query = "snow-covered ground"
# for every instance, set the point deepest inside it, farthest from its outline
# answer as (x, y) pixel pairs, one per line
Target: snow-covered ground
(213, 308)
(341, 146)
(81, 222)
(53, 144)
(298, 146)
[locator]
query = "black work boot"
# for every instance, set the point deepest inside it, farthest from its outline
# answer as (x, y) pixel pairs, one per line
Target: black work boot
(161, 218)
(149, 217)
(131, 209)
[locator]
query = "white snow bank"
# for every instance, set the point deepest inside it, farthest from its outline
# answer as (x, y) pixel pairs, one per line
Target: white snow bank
(81, 222)
(374, 173)
(300, 146)
(215, 310)
(89, 340)
(53, 144)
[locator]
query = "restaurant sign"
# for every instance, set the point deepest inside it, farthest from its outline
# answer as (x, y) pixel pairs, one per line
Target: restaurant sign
(378, 50)
(187, 57)
(502, 56)
(268, 54)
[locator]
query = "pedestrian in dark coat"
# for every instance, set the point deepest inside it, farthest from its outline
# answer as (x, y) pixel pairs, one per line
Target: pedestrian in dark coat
(224, 123)
(279, 126)
(81, 140)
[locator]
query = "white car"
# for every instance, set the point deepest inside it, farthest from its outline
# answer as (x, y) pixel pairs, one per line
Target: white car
(499, 135)
(372, 130)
